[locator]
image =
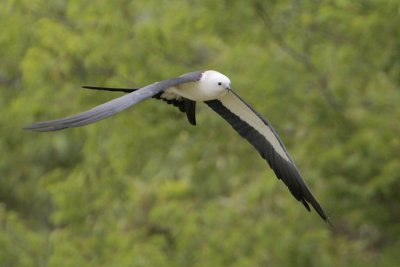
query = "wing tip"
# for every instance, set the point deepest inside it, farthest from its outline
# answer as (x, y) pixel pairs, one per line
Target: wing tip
(330, 224)
(32, 127)
(39, 128)
(319, 210)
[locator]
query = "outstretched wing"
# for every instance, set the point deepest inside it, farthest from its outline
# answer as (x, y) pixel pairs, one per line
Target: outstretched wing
(183, 104)
(259, 132)
(114, 106)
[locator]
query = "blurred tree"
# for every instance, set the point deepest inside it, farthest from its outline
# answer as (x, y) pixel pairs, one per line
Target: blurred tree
(147, 189)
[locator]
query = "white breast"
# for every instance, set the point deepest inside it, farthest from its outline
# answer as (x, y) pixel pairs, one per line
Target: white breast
(196, 92)
(212, 85)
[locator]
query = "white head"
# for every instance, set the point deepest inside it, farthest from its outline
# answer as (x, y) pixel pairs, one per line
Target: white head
(215, 83)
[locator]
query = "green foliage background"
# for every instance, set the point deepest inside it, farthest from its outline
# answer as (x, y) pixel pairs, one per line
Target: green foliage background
(145, 188)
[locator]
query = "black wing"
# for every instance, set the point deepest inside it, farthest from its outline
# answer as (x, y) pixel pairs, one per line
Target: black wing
(114, 106)
(258, 131)
(183, 104)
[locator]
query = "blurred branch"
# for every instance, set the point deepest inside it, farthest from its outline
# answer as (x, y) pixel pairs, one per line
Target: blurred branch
(303, 58)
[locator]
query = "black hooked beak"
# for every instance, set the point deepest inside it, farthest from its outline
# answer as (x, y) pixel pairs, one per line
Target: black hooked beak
(228, 88)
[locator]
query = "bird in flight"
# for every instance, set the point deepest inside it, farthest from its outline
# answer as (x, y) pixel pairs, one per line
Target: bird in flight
(214, 89)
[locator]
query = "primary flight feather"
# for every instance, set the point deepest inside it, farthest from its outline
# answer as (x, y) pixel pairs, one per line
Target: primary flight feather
(212, 88)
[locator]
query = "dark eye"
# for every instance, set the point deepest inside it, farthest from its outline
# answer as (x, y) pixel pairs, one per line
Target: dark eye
(219, 83)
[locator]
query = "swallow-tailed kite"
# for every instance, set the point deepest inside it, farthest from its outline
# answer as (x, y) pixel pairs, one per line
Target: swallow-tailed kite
(213, 88)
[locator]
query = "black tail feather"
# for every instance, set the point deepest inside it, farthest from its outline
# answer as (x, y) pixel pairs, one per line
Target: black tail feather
(113, 89)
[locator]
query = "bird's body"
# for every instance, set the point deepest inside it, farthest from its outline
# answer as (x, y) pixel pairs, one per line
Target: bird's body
(212, 88)
(210, 85)
(207, 88)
